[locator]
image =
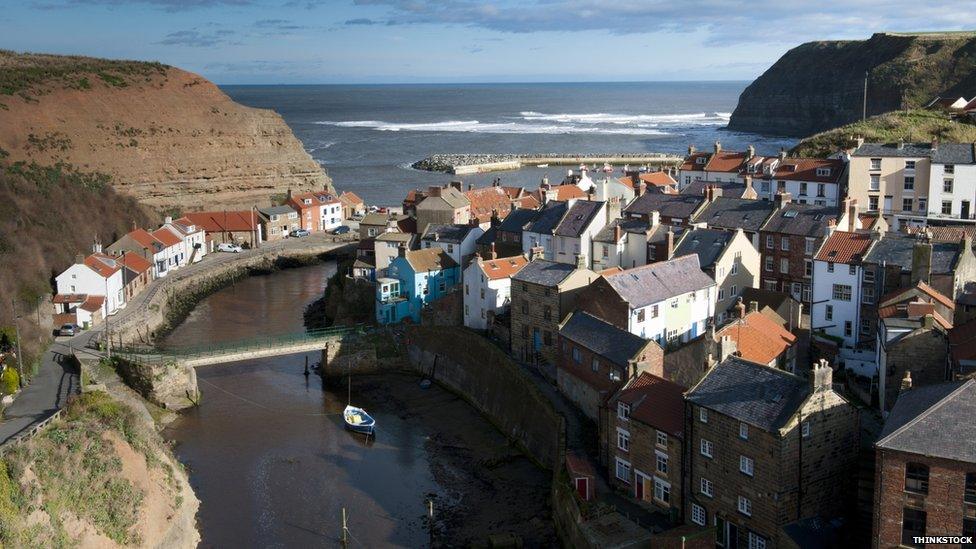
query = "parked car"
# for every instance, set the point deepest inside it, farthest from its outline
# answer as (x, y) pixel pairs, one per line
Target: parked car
(228, 247)
(357, 216)
(68, 330)
(299, 233)
(342, 229)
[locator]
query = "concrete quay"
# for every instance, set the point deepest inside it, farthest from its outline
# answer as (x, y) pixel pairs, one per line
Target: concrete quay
(461, 164)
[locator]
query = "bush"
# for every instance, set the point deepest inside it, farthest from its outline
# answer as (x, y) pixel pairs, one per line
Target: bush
(9, 381)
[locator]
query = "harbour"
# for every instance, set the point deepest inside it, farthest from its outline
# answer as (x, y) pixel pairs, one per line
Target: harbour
(463, 164)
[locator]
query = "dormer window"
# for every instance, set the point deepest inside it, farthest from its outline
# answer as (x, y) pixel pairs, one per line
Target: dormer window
(307, 201)
(700, 160)
(823, 172)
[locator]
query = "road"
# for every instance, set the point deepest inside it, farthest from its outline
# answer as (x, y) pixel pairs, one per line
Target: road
(57, 377)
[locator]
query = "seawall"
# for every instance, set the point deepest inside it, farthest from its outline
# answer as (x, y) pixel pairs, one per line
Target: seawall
(480, 163)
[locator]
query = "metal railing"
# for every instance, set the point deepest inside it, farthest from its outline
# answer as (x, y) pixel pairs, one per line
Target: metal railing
(30, 432)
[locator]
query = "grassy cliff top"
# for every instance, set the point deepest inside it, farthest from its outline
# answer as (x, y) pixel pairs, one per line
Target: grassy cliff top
(909, 126)
(31, 74)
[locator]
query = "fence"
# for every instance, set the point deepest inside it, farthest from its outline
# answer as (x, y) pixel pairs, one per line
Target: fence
(30, 432)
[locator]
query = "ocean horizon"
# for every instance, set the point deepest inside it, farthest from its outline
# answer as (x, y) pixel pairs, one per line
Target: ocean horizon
(366, 136)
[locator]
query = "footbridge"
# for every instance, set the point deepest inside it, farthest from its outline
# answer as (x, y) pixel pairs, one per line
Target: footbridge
(246, 349)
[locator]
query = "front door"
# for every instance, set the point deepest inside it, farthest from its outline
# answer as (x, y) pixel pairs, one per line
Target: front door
(536, 340)
(964, 212)
(583, 488)
(638, 486)
(732, 536)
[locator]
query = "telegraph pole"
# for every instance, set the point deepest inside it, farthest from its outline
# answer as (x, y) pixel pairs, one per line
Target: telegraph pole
(345, 530)
(864, 103)
(108, 333)
(20, 360)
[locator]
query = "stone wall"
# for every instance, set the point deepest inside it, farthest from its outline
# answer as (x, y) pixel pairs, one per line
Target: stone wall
(172, 386)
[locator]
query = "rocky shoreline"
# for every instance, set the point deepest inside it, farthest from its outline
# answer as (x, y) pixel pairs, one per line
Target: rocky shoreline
(449, 163)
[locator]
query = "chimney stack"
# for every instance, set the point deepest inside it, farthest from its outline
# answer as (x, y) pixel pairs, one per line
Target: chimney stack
(640, 188)
(580, 261)
(470, 186)
(750, 152)
(822, 377)
(401, 251)
(740, 308)
(782, 199)
(691, 150)
(492, 254)
(782, 154)
(536, 252)
(753, 306)
(654, 218)
(669, 243)
(458, 185)
(718, 147)
(79, 258)
(850, 208)
(288, 195)
(906, 382)
(921, 261)
(726, 348)
(618, 233)
(712, 192)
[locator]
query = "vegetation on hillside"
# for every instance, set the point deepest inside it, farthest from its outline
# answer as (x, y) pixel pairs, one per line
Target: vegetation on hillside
(32, 74)
(909, 126)
(73, 471)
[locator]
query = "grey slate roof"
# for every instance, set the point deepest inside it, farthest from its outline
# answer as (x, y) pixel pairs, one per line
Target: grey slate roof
(934, 420)
(544, 272)
(277, 210)
(487, 237)
(908, 150)
(578, 217)
(395, 237)
(708, 244)
(731, 189)
(375, 219)
(801, 219)
(954, 153)
(733, 213)
(454, 234)
(668, 205)
(752, 393)
(547, 218)
(603, 338)
(627, 225)
(896, 249)
(517, 219)
(643, 286)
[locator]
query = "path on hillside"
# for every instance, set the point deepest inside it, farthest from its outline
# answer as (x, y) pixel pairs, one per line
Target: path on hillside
(57, 377)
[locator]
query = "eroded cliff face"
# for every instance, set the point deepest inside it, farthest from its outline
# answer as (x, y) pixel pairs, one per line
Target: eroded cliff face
(820, 85)
(168, 137)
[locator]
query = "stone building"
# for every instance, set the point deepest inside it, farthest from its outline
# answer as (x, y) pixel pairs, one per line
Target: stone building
(765, 448)
(595, 358)
(443, 205)
(643, 439)
(728, 258)
(925, 466)
(278, 221)
(788, 242)
(543, 293)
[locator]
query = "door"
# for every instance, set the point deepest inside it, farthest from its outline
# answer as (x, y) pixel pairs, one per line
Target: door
(887, 205)
(732, 536)
(583, 488)
(638, 486)
(536, 340)
(964, 212)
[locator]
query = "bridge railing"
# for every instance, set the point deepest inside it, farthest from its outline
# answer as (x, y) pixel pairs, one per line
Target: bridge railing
(151, 354)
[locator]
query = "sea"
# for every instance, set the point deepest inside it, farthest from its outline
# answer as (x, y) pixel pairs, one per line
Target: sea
(367, 136)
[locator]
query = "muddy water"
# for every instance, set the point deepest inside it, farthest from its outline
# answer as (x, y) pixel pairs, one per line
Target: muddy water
(273, 466)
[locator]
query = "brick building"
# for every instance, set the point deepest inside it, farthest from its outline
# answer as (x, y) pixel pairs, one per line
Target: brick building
(765, 448)
(925, 471)
(543, 293)
(643, 437)
(595, 358)
(788, 242)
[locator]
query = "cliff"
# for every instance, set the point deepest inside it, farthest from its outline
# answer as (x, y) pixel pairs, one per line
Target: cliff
(819, 85)
(167, 137)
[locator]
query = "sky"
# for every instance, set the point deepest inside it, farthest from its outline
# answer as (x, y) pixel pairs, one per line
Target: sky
(405, 41)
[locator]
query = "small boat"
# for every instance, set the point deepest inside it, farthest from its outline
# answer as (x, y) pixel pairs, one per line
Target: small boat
(358, 420)
(542, 165)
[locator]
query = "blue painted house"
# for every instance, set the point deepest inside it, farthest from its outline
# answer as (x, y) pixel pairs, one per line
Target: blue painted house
(413, 279)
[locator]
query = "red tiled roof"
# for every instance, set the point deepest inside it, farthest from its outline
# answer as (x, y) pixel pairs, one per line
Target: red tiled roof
(485, 200)
(945, 234)
(497, 269)
(728, 162)
(691, 164)
(317, 198)
(407, 224)
(758, 338)
(135, 262)
(844, 247)
(350, 198)
(167, 237)
(225, 221)
(897, 295)
(104, 265)
(146, 240)
(655, 179)
(656, 402)
(528, 201)
(93, 303)
(913, 310)
(69, 298)
(563, 192)
(805, 169)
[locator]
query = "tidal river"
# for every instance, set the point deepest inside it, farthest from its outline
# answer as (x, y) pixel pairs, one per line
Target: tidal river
(273, 467)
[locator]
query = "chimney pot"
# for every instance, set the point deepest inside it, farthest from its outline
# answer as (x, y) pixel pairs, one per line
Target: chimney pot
(753, 306)
(718, 147)
(906, 382)
(822, 377)
(740, 307)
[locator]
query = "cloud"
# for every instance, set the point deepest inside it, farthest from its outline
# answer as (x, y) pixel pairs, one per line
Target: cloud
(362, 21)
(196, 39)
(722, 21)
(278, 25)
(166, 5)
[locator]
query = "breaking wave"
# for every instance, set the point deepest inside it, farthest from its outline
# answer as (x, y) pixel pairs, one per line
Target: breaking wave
(474, 126)
(637, 120)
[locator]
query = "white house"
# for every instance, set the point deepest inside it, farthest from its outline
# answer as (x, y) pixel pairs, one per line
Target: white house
(487, 288)
(194, 238)
(952, 182)
(538, 233)
(459, 241)
(574, 234)
(96, 275)
(838, 273)
(624, 242)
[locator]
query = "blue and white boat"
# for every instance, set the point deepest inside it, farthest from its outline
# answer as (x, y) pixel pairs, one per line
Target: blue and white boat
(358, 420)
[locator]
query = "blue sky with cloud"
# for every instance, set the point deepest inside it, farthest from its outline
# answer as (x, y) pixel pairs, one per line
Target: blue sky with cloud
(342, 41)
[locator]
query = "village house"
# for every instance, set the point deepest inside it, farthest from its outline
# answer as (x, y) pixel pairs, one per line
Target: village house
(99, 278)
(760, 338)
(386, 247)
(495, 202)
(136, 274)
(457, 240)
(728, 258)
(730, 189)
(785, 307)
(788, 240)
(233, 227)
(488, 288)
(719, 165)
(443, 206)
(144, 244)
(765, 448)
(278, 222)
(643, 439)
(595, 358)
(952, 182)
(375, 224)
(962, 349)
(318, 211)
(82, 310)
(573, 236)
(815, 181)
(668, 302)
(174, 250)
(414, 279)
(912, 336)
(733, 214)
(925, 466)
(838, 273)
(572, 187)
(538, 233)
(672, 209)
(352, 205)
(506, 235)
(634, 184)
(543, 293)
(626, 243)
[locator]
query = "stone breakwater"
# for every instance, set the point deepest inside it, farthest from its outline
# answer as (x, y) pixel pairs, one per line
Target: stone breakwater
(475, 163)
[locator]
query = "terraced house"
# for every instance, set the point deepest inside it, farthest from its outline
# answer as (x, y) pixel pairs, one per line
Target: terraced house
(788, 241)
(765, 448)
(728, 258)
(413, 279)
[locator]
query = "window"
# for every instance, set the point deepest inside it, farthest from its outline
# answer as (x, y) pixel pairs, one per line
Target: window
(909, 183)
(623, 440)
(865, 326)
(606, 251)
(821, 191)
(745, 506)
(842, 292)
(662, 439)
(706, 487)
(803, 188)
(595, 365)
(706, 448)
(765, 187)
(662, 490)
(640, 315)
(830, 266)
(654, 311)
(922, 204)
(769, 241)
(807, 268)
(769, 263)
(744, 431)
(875, 183)
(735, 267)
(746, 465)
(661, 462)
(784, 265)
(623, 411)
(875, 163)
(756, 541)
(784, 244)
(950, 168)
(547, 313)
(907, 204)
(970, 496)
(698, 515)
(848, 328)
(674, 303)
(912, 526)
(482, 293)
(969, 527)
(466, 290)
(946, 207)
(576, 355)
(829, 314)
(851, 270)
(623, 470)
(873, 203)
(547, 338)
(867, 295)
(917, 478)
(721, 294)
(808, 246)
(805, 429)
(869, 276)
(947, 186)
(703, 415)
